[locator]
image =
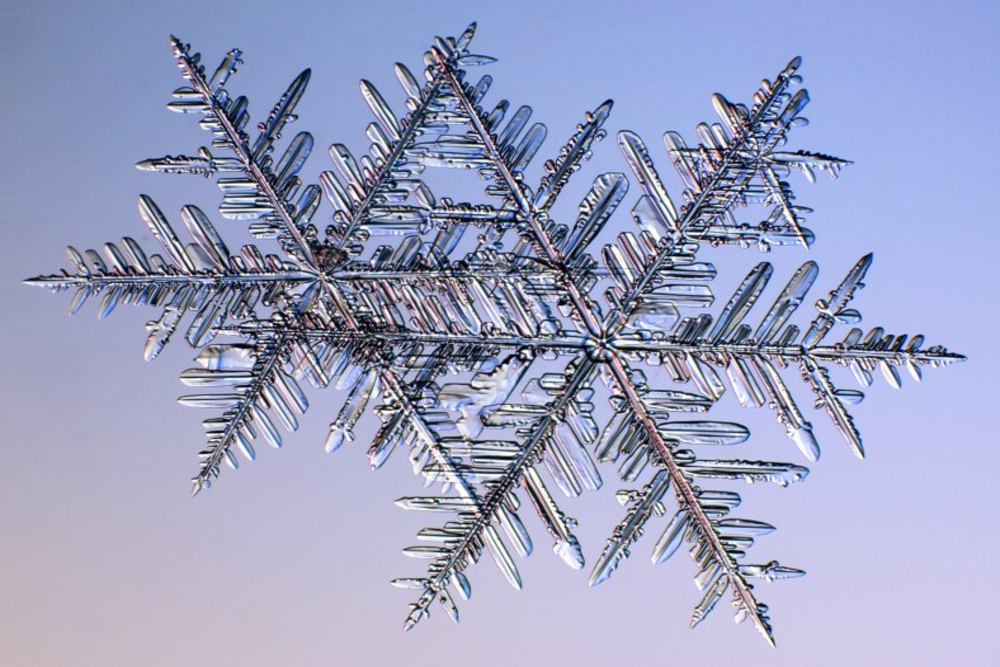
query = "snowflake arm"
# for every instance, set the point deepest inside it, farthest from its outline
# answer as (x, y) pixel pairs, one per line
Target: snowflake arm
(474, 529)
(201, 277)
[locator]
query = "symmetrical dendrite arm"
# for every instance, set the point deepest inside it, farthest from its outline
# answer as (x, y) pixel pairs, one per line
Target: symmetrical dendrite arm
(200, 277)
(737, 163)
(645, 434)
(553, 425)
(752, 356)
(268, 192)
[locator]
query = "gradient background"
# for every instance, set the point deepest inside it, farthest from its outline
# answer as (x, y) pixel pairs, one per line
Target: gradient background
(107, 561)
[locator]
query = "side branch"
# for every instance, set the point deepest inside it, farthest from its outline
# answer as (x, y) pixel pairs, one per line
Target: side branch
(688, 499)
(493, 502)
(238, 144)
(548, 249)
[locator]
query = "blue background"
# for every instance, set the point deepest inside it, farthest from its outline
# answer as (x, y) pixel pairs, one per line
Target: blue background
(107, 561)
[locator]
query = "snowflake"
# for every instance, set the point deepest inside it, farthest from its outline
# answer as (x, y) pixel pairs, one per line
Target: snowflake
(500, 348)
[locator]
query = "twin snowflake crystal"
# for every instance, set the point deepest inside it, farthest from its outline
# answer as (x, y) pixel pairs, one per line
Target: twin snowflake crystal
(488, 336)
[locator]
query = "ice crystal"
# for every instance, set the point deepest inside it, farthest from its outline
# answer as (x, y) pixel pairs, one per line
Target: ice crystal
(500, 348)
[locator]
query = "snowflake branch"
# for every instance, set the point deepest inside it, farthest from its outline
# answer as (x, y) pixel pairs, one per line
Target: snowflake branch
(687, 498)
(236, 140)
(254, 397)
(540, 237)
(480, 528)
(719, 183)
(359, 213)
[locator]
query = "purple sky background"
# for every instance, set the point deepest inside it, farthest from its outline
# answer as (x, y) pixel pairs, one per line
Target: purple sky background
(105, 558)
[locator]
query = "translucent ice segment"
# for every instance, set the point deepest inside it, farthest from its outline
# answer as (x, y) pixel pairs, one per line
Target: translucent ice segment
(226, 69)
(672, 400)
(743, 382)
(750, 527)
(164, 233)
(749, 471)
(638, 159)
(771, 571)
(786, 303)
(502, 557)
(232, 356)
(837, 300)
(576, 457)
(204, 232)
(292, 160)
(380, 109)
(672, 537)
(595, 210)
(282, 113)
(526, 150)
(704, 433)
(210, 400)
(576, 150)
(198, 377)
(715, 590)
(407, 81)
(631, 527)
(741, 302)
(832, 399)
(566, 544)
(343, 427)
